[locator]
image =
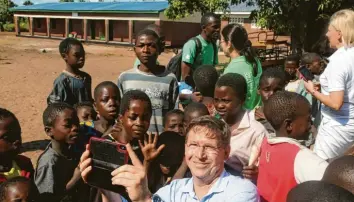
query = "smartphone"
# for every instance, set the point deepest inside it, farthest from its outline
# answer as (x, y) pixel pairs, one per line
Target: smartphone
(305, 73)
(106, 157)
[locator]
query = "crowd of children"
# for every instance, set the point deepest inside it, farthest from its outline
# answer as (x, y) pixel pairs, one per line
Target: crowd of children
(270, 142)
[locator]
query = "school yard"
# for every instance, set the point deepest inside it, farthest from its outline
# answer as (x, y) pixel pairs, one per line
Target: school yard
(27, 75)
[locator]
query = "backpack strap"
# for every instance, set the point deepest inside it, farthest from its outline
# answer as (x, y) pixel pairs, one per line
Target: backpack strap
(215, 53)
(198, 47)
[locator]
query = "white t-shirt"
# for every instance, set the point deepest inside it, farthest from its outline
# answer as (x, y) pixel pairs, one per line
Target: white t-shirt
(338, 76)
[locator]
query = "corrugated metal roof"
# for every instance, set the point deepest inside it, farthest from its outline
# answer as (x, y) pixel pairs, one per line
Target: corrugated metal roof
(243, 7)
(104, 7)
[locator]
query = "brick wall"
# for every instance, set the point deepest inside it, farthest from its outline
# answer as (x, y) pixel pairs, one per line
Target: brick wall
(177, 33)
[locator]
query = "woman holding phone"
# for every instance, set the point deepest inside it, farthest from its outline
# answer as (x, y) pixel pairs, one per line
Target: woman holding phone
(336, 132)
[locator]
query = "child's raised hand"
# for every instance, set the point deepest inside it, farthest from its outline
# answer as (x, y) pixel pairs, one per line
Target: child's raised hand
(149, 148)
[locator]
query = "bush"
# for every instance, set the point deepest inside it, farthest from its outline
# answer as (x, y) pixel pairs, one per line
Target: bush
(23, 26)
(9, 27)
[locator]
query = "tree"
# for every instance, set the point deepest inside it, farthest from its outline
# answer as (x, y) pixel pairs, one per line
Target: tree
(304, 20)
(182, 8)
(6, 15)
(27, 3)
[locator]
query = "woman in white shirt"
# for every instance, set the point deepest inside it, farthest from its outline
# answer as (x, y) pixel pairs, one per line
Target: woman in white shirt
(336, 132)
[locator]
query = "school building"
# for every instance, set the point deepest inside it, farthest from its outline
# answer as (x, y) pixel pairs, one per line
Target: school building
(114, 22)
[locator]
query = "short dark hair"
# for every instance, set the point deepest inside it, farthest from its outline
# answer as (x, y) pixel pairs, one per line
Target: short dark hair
(281, 106)
(205, 78)
(53, 111)
(15, 126)
(236, 82)
(172, 112)
(134, 95)
(308, 58)
(293, 58)
(9, 183)
(318, 191)
(219, 128)
(83, 104)
(341, 173)
(173, 152)
(207, 17)
(104, 84)
(65, 45)
(196, 106)
(274, 72)
(149, 32)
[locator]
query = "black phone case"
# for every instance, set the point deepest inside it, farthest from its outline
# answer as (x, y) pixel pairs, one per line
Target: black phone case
(306, 73)
(106, 157)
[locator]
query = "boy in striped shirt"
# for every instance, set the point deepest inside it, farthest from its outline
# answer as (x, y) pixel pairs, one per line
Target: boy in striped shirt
(159, 84)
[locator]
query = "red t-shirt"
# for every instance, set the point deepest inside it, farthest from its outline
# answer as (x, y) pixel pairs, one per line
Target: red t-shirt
(276, 171)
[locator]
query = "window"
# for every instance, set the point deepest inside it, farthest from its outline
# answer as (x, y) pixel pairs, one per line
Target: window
(234, 20)
(254, 25)
(53, 24)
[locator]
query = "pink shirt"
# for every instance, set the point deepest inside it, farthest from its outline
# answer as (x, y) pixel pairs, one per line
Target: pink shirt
(250, 132)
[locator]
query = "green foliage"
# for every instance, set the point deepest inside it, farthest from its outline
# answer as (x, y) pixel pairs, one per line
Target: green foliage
(27, 3)
(9, 27)
(5, 14)
(24, 27)
(182, 8)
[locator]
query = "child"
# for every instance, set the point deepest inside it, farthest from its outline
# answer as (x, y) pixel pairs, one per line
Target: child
(159, 84)
(169, 160)
(157, 29)
(174, 121)
(283, 162)
(57, 173)
(134, 117)
(11, 163)
(341, 173)
(205, 78)
(314, 63)
(18, 189)
(134, 120)
(86, 112)
(317, 191)
(229, 97)
(272, 80)
(194, 110)
(73, 85)
(292, 63)
(106, 104)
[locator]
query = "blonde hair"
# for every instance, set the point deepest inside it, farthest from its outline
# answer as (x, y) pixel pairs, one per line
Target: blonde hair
(343, 21)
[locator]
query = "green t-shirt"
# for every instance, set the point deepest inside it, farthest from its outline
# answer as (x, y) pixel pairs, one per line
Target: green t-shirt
(205, 57)
(240, 66)
(137, 63)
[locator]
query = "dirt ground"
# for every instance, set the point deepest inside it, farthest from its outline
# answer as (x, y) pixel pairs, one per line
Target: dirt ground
(27, 75)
